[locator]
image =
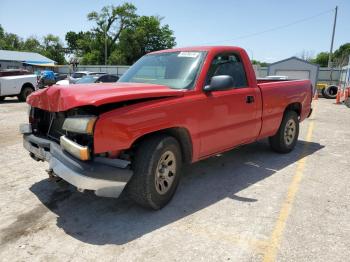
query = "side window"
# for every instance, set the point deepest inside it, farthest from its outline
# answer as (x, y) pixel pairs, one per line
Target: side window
(103, 79)
(228, 64)
(113, 78)
(78, 75)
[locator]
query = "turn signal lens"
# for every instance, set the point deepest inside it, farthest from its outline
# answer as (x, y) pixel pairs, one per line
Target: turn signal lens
(80, 152)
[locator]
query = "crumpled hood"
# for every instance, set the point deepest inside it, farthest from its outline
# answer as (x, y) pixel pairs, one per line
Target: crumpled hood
(61, 98)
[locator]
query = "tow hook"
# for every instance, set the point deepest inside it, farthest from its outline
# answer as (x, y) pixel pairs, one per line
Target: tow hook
(54, 178)
(81, 190)
(35, 157)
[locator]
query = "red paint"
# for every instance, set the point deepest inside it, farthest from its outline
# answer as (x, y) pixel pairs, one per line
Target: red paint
(215, 121)
(61, 98)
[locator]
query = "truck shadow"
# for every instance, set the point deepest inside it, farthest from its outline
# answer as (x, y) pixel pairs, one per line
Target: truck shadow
(100, 221)
(11, 101)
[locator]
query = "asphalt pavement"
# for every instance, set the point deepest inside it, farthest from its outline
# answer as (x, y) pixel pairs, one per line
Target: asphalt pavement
(249, 204)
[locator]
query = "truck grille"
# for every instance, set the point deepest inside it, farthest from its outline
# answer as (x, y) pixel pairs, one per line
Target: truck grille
(49, 124)
(55, 130)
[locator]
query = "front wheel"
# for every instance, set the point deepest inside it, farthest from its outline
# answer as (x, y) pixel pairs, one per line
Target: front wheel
(26, 91)
(286, 137)
(157, 165)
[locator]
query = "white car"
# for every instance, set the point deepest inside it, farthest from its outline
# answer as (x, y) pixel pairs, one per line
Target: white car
(80, 74)
(18, 85)
(64, 82)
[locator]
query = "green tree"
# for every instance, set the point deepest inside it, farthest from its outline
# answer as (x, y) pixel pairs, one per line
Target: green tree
(32, 44)
(2, 36)
(341, 55)
(9, 41)
(112, 20)
(91, 58)
(110, 23)
(72, 41)
(80, 43)
(145, 36)
(321, 59)
(128, 36)
(50, 47)
(53, 48)
(262, 64)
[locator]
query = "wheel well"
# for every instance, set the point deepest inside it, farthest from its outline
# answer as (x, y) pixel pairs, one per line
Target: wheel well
(296, 107)
(30, 85)
(180, 134)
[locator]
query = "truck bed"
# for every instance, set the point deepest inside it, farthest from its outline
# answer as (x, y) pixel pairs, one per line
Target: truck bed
(276, 95)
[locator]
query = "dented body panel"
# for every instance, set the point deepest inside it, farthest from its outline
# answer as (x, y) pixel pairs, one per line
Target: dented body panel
(62, 98)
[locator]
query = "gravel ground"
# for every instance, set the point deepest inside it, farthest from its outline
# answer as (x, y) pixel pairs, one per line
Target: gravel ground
(249, 204)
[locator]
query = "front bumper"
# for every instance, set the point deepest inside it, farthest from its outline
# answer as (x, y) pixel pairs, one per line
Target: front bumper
(107, 177)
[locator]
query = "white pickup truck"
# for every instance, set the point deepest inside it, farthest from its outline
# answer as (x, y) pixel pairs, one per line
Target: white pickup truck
(18, 85)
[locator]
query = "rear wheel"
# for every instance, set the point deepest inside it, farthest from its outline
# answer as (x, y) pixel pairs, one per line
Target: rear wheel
(286, 137)
(26, 91)
(157, 165)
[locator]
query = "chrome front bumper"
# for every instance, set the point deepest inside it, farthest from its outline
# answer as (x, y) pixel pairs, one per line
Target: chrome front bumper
(107, 177)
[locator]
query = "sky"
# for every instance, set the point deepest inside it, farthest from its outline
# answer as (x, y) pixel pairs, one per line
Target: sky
(266, 29)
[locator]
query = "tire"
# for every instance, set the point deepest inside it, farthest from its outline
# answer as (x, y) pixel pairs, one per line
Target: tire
(157, 169)
(2, 98)
(286, 137)
(330, 92)
(26, 91)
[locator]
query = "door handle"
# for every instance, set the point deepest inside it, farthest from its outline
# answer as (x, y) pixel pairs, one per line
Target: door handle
(249, 99)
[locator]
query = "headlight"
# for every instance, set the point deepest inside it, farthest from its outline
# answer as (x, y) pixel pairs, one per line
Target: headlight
(81, 125)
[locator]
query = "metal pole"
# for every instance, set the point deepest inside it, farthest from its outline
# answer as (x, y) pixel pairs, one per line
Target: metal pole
(332, 42)
(347, 75)
(105, 46)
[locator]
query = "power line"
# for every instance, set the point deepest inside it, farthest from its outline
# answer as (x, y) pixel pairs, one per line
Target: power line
(271, 29)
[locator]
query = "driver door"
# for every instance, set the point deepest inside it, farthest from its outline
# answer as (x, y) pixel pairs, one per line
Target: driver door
(232, 115)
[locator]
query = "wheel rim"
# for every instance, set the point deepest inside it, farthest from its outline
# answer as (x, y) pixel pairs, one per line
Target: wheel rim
(165, 172)
(289, 132)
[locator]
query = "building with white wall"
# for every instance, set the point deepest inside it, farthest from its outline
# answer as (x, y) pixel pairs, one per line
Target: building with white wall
(24, 60)
(295, 68)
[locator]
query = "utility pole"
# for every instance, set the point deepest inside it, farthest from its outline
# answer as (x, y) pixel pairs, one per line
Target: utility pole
(332, 42)
(105, 45)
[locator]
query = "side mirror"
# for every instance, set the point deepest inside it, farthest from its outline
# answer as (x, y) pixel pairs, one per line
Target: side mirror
(219, 83)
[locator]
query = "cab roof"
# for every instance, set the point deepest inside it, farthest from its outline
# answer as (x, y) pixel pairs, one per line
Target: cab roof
(201, 48)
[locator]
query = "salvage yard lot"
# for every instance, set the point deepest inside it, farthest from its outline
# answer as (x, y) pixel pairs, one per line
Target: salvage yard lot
(245, 205)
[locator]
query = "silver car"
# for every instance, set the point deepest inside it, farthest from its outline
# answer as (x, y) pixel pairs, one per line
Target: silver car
(73, 78)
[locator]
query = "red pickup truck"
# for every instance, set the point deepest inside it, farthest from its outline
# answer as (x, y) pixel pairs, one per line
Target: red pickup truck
(171, 107)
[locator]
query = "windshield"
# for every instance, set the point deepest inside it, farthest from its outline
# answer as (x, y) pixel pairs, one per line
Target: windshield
(176, 69)
(86, 80)
(78, 75)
